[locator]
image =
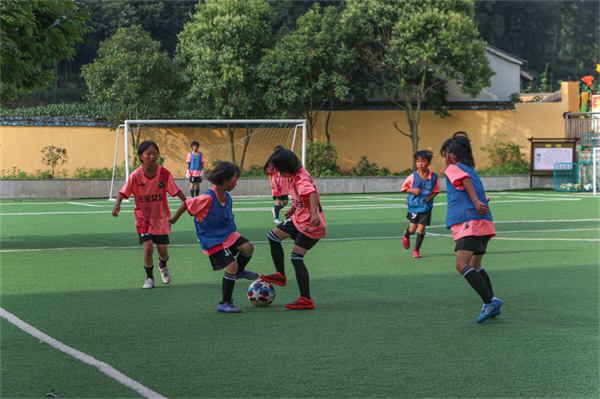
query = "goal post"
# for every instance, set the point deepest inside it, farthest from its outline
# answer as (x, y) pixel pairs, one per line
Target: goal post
(258, 141)
(595, 160)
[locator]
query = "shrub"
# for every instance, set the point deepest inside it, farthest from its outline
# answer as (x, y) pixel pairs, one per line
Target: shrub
(253, 171)
(505, 158)
(366, 168)
(321, 159)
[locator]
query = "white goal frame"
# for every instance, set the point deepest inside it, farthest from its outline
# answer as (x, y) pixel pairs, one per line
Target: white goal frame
(126, 127)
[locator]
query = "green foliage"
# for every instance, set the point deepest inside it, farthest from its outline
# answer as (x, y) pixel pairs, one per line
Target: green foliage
(563, 34)
(99, 173)
(312, 68)
(253, 171)
(87, 110)
(321, 159)
(16, 173)
(366, 168)
(54, 158)
(36, 34)
(403, 43)
(505, 158)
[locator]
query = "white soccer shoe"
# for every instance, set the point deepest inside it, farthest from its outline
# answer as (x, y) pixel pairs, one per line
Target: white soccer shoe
(165, 275)
(149, 283)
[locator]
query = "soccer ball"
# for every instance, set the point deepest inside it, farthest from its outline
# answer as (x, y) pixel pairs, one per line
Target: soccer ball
(261, 293)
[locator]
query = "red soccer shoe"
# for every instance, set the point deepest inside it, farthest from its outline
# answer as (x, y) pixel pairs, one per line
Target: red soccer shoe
(301, 303)
(275, 278)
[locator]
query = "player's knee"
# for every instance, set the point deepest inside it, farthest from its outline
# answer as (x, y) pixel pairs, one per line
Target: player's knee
(232, 268)
(247, 249)
(273, 237)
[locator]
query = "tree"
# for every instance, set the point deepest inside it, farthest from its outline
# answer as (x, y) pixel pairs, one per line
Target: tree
(134, 75)
(219, 52)
(37, 34)
(312, 68)
(411, 48)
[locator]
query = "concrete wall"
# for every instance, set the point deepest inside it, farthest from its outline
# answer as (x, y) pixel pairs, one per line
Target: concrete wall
(89, 188)
(354, 133)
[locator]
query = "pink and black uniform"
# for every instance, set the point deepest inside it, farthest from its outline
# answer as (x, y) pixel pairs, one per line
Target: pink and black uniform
(151, 204)
(302, 186)
(281, 185)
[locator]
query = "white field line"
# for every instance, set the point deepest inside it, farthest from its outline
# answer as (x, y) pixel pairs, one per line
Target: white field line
(103, 367)
(428, 233)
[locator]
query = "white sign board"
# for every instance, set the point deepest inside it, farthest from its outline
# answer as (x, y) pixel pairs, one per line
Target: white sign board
(545, 158)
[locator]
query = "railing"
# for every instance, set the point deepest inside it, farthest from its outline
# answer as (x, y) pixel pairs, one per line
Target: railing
(581, 123)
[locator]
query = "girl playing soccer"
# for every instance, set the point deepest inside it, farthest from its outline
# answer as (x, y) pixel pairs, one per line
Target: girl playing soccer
(305, 223)
(150, 184)
(470, 219)
(216, 231)
(281, 190)
(195, 166)
(422, 186)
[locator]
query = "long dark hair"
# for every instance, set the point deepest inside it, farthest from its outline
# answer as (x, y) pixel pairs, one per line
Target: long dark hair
(223, 172)
(144, 146)
(459, 146)
(284, 161)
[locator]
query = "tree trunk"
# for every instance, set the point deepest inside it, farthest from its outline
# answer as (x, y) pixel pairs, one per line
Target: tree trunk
(230, 129)
(246, 142)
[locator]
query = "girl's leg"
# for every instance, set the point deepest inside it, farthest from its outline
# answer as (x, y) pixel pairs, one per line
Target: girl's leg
(278, 207)
(148, 261)
(275, 237)
(420, 236)
(463, 260)
(192, 190)
(406, 236)
(302, 275)
(163, 257)
(476, 265)
(246, 251)
(229, 281)
(196, 189)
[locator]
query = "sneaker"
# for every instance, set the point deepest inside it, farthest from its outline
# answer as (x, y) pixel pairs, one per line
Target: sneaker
(165, 275)
(275, 278)
(405, 241)
(416, 254)
(227, 307)
(488, 310)
(301, 303)
(149, 283)
(497, 312)
(276, 220)
(248, 275)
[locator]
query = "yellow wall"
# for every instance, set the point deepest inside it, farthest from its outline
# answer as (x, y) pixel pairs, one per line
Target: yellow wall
(354, 133)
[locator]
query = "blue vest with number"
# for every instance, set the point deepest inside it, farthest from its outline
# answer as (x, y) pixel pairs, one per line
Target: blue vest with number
(460, 207)
(416, 203)
(195, 161)
(218, 223)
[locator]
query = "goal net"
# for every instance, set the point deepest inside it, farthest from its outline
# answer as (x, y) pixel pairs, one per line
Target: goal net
(247, 143)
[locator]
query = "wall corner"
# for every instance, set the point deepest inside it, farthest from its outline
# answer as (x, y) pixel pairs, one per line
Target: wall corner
(570, 95)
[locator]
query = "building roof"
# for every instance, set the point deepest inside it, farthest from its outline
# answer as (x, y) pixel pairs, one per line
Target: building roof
(507, 56)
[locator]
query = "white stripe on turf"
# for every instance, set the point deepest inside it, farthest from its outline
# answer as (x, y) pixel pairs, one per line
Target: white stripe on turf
(103, 367)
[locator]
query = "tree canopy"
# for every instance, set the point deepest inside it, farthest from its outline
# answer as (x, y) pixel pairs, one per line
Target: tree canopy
(36, 34)
(411, 48)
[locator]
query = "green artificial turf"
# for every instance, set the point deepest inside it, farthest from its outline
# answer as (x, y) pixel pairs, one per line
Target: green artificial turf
(385, 325)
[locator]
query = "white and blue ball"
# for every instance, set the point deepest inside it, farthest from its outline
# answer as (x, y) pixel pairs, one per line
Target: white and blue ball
(261, 293)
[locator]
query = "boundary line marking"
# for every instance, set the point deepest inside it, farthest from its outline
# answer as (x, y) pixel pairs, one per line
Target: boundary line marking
(101, 366)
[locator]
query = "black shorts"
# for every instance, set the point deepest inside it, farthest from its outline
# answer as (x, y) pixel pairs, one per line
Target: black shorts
(475, 244)
(281, 197)
(420, 218)
(195, 179)
(300, 239)
(158, 240)
(223, 258)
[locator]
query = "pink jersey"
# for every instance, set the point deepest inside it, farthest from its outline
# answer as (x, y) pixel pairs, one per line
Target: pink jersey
(195, 173)
(199, 207)
(151, 205)
(408, 183)
(480, 227)
(302, 185)
(281, 185)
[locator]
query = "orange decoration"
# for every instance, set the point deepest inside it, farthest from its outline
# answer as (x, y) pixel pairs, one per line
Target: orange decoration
(588, 80)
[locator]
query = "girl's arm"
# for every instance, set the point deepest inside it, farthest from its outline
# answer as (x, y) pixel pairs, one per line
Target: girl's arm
(181, 196)
(314, 209)
(173, 219)
(290, 211)
(117, 208)
(480, 206)
(430, 196)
